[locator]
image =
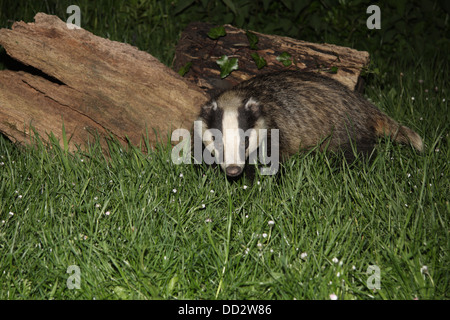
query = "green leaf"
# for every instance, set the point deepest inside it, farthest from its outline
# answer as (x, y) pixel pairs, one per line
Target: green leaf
(392, 94)
(285, 59)
(227, 65)
(260, 61)
(299, 6)
(252, 39)
(230, 5)
(185, 69)
(400, 6)
(288, 4)
(182, 5)
(217, 32)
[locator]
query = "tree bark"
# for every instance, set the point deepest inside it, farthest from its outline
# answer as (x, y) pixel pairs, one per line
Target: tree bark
(91, 85)
(197, 48)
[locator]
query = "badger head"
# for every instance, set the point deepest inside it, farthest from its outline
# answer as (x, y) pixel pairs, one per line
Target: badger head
(230, 130)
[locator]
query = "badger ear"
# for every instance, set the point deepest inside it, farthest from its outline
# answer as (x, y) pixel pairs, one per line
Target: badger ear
(253, 106)
(212, 105)
(208, 108)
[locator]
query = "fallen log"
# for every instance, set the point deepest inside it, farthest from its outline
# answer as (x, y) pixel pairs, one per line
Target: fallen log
(92, 85)
(97, 87)
(196, 47)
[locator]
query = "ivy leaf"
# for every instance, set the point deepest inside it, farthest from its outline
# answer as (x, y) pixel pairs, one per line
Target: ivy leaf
(260, 61)
(184, 69)
(285, 59)
(252, 39)
(217, 32)
(227, 65)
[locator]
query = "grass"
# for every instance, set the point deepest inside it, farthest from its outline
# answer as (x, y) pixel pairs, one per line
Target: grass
(139, 227)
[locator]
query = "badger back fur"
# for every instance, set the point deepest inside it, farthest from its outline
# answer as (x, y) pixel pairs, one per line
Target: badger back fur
(308, 109)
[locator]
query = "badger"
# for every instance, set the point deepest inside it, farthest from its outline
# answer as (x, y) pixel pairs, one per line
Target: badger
(306, 110)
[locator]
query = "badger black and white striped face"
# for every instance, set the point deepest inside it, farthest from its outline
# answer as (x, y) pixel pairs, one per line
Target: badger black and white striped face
(230, 128)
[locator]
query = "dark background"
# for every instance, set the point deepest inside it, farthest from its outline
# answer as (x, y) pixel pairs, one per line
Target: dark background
(410, 30)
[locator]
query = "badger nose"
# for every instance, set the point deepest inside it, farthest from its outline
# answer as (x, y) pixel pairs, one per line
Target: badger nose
(233, 171)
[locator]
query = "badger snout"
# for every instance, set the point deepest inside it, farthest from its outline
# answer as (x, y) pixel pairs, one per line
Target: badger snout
(233, 171)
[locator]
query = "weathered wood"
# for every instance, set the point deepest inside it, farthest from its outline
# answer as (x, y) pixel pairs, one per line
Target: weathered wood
(100, 86)
(196, 47)
(32, 104)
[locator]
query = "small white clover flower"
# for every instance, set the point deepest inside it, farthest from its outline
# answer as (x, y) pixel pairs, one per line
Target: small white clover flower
(303, 255)
(424, 270)
(174, 190)
(335, 260)
(107, 213)
(271, 222)
(333, 296)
